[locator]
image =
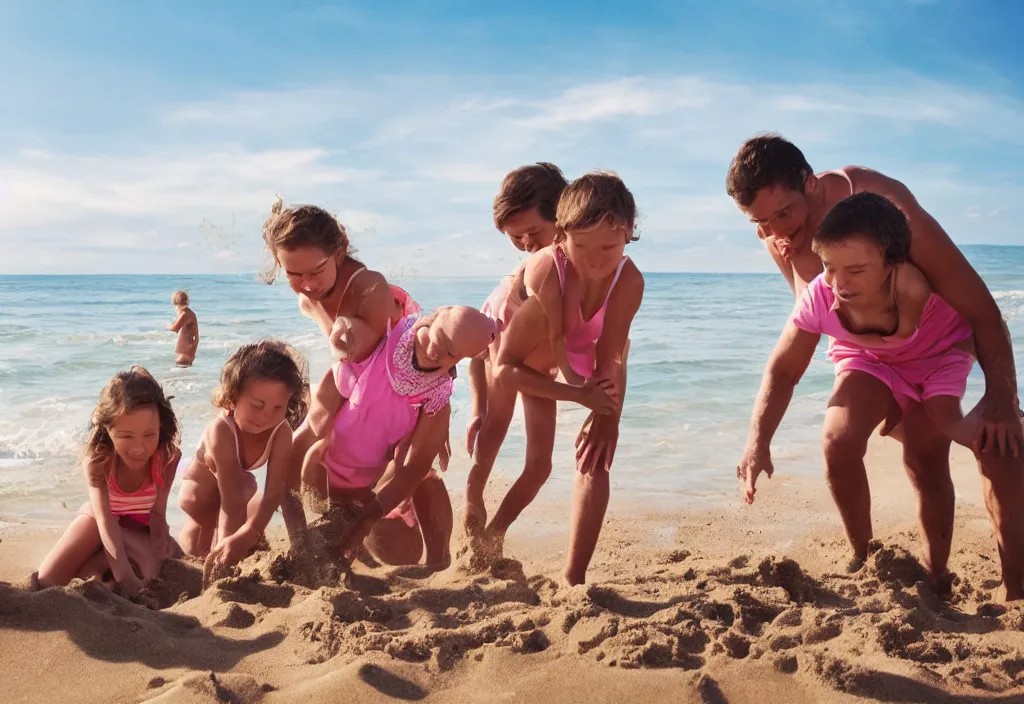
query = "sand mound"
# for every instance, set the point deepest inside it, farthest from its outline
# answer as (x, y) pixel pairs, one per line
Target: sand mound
(879, 629)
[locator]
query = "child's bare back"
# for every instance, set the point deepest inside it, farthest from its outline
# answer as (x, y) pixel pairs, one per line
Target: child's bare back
(187, 327)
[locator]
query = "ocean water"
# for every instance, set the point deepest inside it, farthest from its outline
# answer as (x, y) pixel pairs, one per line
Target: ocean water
(699, 345)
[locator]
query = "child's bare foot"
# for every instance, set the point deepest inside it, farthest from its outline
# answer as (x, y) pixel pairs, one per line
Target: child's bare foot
(943, 585)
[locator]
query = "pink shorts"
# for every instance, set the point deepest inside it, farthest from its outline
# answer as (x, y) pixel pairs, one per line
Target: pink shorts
(918, 379)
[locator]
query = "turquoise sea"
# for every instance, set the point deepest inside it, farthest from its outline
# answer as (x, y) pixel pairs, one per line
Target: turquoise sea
(699, 346)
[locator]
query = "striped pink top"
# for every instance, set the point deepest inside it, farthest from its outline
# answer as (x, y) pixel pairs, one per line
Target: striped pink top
(139, 503)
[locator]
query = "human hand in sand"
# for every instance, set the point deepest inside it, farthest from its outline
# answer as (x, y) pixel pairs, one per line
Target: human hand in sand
(596, 443)
(757, 459)
(232, 549)
(129, 584)
(599, 395)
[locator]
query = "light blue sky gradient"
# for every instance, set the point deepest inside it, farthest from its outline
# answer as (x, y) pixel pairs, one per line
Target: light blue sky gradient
(154, 139)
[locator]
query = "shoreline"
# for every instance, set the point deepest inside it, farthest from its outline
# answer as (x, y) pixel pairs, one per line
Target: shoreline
(721, 604)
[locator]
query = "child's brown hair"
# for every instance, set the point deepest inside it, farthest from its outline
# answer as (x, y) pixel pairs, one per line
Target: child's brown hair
(533, 186)
(272, 360)
(125, 392)
(301, 226)
(592, 199)
(180, 299)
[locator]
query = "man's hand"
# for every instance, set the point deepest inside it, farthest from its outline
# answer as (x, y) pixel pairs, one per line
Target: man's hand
(755, 461)
(596, 443)
(999, 429)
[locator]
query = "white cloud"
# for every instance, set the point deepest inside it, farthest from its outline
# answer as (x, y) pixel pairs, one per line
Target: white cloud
(409, 163)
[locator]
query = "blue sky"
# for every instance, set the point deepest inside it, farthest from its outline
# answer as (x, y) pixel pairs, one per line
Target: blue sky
(154, 139)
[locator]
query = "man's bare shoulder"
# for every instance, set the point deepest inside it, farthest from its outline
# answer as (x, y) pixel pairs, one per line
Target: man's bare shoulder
(865, 180)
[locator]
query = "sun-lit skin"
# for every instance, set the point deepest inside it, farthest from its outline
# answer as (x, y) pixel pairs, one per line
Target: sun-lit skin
(528, 231)
(595, 253)
(261, 406)
(136, 436)
(451, 334)
(856, 271)
(309, 270)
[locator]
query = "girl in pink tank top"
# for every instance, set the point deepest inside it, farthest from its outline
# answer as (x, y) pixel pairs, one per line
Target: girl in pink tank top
(577, 323)
(130, 460)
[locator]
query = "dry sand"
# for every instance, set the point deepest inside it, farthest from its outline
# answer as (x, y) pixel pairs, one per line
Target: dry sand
(740, 604)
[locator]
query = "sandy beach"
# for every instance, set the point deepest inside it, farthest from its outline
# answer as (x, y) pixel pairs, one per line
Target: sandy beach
(730, 604)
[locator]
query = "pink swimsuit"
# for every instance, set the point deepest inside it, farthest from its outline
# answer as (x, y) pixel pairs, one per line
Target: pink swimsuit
(581, 338)
(924, 365)
(384, 394)
(136, 505)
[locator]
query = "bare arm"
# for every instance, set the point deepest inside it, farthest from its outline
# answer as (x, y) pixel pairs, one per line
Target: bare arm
(526, 331)
(230, 480)
(623, 305)
(787, 364)
(953, 278)
(109, 528)
(275, 485)
(158, 530)
(374, 304)
(785, 268)
(179, 322)
(477, 387)
(428, 437)
(325, 405)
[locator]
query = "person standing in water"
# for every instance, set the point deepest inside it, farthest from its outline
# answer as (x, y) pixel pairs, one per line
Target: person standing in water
(187, 327)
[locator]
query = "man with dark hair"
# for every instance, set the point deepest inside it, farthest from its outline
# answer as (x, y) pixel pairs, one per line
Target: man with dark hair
(772, 183)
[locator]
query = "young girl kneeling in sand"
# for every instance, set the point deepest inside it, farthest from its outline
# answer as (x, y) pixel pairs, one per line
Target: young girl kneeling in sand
(383, 422)
(130, 459)
(264, 392)
(589, 288)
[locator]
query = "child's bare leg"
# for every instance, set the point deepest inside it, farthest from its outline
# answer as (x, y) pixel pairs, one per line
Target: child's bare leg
(501, 403)
(199, 499)
(96, 567)
(539, 414)
(75, 548)
(589, 503)
(291, 506)
(434, 513)
(393, 542)
(926, 460)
